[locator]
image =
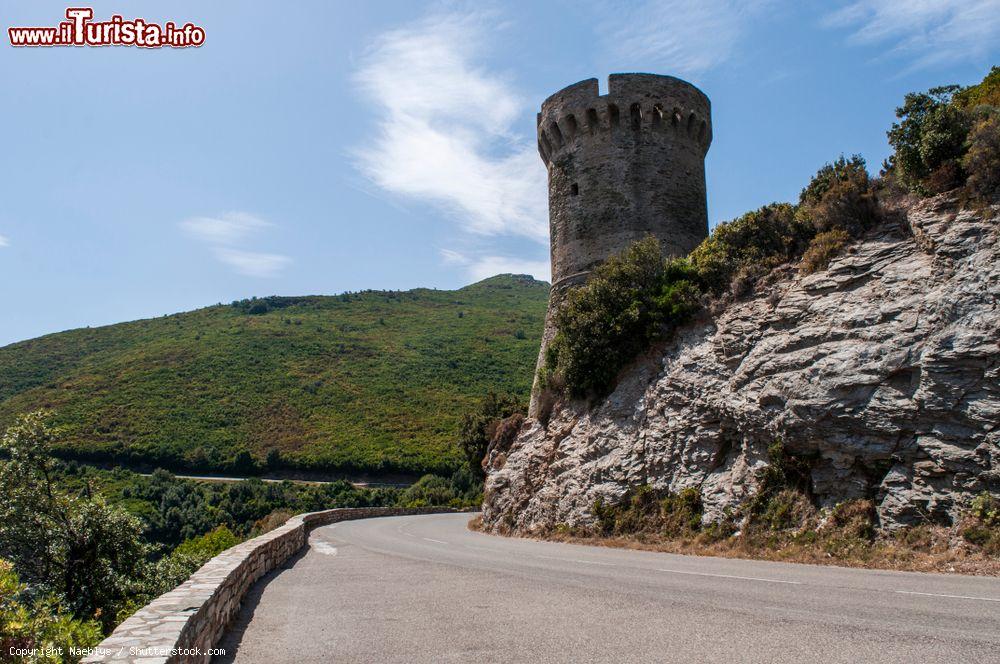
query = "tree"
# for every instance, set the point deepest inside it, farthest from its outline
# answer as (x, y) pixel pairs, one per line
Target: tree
(78, 547)
(929, 139)
(39, 622)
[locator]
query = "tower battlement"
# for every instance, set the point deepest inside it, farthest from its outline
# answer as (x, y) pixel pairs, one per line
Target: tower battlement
(577, 115)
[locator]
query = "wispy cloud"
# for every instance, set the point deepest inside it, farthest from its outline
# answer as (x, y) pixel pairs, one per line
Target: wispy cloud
(680, 36)
(480, 267)
(226, 228)
(251, 263)
(444, 135)
(928, 32)
(4, 242)
(225, 232)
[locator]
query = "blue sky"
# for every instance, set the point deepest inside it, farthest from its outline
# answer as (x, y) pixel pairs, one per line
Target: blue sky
(317, 147)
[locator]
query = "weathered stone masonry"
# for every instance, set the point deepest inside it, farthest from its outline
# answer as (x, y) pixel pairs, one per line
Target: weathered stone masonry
(622, 166)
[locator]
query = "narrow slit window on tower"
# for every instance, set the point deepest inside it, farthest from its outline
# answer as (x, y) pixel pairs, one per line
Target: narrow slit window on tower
(691, 121)
(675, 119)
(593, 122)
(657, 115)
(613, 116)
(635, 112)
(574, 189)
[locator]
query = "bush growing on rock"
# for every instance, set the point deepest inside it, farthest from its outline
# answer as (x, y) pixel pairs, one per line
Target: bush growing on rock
(982, 161)
(630, 301)
(823, 248)
(928, 140)
(750, 246)
(478, 428)
(840, 196)
(947, 137)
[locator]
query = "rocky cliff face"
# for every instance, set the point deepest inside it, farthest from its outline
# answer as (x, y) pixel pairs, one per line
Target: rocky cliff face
(885, 368)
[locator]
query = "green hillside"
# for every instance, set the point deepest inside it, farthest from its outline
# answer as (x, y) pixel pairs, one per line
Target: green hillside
(360, 382)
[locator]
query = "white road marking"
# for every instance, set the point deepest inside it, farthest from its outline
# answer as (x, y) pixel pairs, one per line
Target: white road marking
(913, 592)
(577, 560)
(729, 576)
(433, 540)
(325, 548)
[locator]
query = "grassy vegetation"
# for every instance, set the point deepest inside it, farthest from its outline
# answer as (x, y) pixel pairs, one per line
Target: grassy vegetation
(361, 382)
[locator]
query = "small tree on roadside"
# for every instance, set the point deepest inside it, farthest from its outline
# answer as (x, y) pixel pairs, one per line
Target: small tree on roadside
(90, 554)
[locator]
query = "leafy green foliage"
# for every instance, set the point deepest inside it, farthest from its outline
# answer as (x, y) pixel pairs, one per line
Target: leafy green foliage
(840, 196)
(948, 137)
(208, 545)
(479, 427)
(982, 161)
(369, 382)
(630, 300)
(928, 139)
(983, 527)
(986, 93)
(783, 472)
(464, 489)
(738, 252)
(39, 623)
(76, 546)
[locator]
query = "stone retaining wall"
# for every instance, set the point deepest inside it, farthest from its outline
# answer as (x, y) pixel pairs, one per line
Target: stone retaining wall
(183, 624)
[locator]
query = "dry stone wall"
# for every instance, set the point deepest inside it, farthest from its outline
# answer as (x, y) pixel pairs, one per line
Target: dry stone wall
(185, 623)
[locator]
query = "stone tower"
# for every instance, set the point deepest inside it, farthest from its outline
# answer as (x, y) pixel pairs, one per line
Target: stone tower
(621, 166)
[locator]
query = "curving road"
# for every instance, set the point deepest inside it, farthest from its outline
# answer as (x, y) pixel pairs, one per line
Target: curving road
(426, 589)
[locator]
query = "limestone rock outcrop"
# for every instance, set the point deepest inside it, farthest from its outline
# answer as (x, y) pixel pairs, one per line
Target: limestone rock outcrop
(885, 367)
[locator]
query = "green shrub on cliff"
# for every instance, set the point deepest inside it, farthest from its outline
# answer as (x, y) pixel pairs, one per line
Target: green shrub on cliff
(478, 427)
(982, 161)
(630, 301)
(947, 137)
(740, 251)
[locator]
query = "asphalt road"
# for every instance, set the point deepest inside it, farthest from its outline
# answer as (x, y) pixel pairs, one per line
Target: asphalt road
(426, 589)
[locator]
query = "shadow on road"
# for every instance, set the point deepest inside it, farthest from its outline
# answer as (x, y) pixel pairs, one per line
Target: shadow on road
(234, 634)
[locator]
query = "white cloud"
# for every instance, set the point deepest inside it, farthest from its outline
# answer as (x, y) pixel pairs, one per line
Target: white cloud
(251, 263)
(4, 242)
(224, 232)
(481, 267)
(225, 228)
(451, 257)
(929, 32)
(444, 133)
(676, 35)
